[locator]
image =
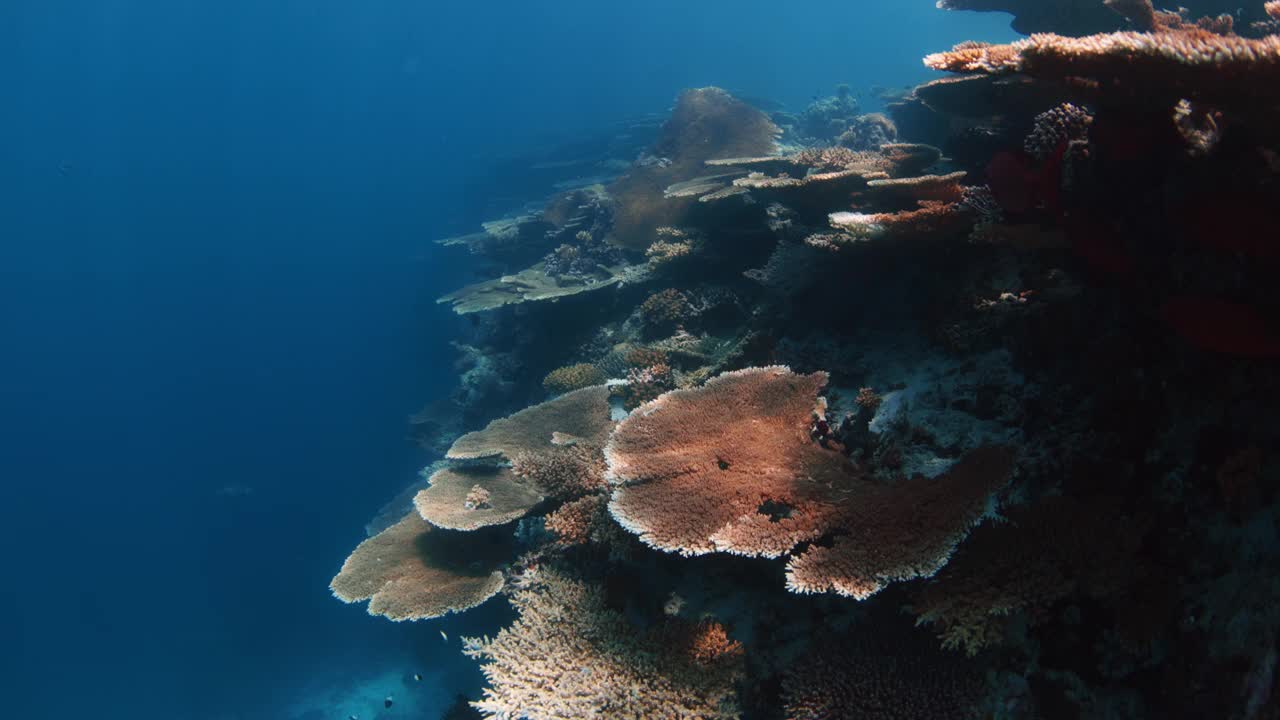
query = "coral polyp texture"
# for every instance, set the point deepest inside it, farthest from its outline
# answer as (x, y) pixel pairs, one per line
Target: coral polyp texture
(569, 655)
(411, 571)
(728, 466)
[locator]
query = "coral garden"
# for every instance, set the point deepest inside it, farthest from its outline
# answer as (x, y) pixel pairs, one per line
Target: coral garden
(962, 410)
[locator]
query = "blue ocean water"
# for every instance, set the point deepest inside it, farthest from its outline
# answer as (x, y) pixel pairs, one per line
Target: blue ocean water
(217, 303)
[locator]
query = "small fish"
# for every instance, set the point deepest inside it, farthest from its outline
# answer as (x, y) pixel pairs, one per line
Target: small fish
(417, 677)
(353, 717)
(387, 703)
(443, 635)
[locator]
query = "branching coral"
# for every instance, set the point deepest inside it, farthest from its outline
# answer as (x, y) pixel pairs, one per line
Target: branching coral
(647, 383)
(412, 572)
(562, 471)
(674, 244)
(568, 655)
(1062, 124)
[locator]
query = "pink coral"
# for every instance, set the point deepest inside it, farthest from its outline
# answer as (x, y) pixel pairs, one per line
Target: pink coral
(728, 466)
(732, 467)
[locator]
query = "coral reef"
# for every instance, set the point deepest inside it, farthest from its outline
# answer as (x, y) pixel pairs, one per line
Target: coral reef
(964, 413)
(707, 123)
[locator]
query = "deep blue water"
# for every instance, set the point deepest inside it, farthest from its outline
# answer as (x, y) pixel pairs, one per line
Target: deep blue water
(215, 272)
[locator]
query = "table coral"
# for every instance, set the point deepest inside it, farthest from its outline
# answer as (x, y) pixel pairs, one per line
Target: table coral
(411, 571)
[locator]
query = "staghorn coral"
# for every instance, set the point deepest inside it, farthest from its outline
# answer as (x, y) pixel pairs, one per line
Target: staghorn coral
(902, 532)
(411, 572)
(725, 467)
(568, 655)
(449, 501)
(573, 377)
(581, 413)
(563, 471)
